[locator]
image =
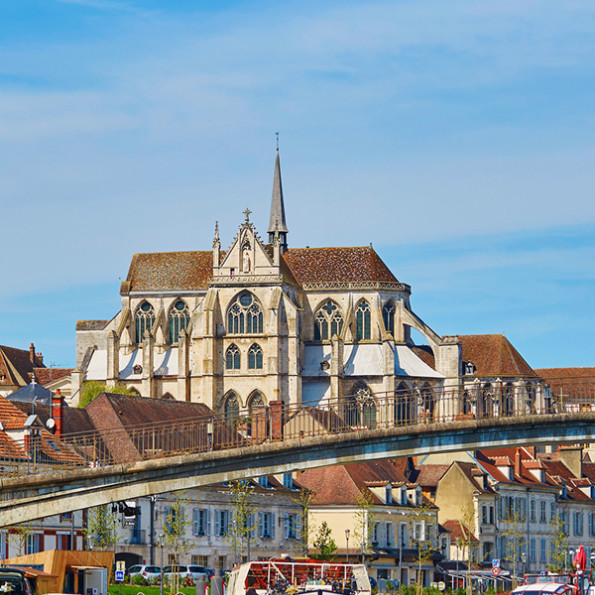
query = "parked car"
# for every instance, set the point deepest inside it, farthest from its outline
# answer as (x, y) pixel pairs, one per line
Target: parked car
(146, 571)
(183, 571)
(13, 581)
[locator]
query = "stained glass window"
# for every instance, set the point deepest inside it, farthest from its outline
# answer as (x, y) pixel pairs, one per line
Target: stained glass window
(244, 316)
(232, 358)
(363, 321)
(179, 317)
(231, 406)
(255, 357)
(328, 322)
(361, 407)
(144, 321)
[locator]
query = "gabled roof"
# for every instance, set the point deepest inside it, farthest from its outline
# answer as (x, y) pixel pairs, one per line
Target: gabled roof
(458, 531)
(17, 366)
(162, 271)
(74, 420)
(494, 355)
(338, 267)
(31, 392)
(343, 484)
(45, 376)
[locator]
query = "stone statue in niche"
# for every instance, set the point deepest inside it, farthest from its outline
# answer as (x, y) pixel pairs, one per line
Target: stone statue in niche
(246, 262)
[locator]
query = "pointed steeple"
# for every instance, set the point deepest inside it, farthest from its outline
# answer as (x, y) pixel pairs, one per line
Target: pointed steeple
(277, 221)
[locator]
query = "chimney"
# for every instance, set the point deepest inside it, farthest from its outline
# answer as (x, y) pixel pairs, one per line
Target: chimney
(57, 411)
(32, 353)
(517, 462)
(572, 457)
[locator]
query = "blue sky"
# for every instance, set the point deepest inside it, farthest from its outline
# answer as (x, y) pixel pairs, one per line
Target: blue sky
(457, 136)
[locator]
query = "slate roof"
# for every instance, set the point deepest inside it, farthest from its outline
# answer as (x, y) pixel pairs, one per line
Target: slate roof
(494, 355)
(341, 266)
(32, 391)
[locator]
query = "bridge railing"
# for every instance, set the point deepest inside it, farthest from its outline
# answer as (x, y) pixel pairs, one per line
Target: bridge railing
(361, 411)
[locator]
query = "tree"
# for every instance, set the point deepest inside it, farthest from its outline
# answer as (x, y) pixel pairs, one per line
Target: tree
(425, 520)
(175, 523)
(92, 388)
(242, 521)
(467, 527)
(363, 518)
(304, 500)
(20, 535)
(515, 537)
(559, 542)
(102, 526)
(324, 543)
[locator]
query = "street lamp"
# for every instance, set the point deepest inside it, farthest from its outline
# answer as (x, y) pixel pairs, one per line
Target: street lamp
(347, 542)
(161, 539)
(524, 561)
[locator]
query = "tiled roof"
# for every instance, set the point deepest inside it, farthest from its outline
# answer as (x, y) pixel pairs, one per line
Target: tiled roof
(161, 271)
(46, 375)
(430, 475)
(16, 365)
(458, 531)
(494, 355)
(91, 325)
(9, 449)
(425, 354)
(338, 266)
(566, 374)
(74, 420)
(10, 416)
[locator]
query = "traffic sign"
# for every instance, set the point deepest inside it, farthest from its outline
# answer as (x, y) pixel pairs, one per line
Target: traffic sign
(119, 575)
(120, 565)
(441, 585)
(496, 563)
(496, 570)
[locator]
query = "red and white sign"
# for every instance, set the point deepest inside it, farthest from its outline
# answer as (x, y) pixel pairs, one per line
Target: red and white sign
(496, 570)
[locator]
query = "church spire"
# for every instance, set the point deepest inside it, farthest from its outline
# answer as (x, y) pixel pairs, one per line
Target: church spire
(277, 221)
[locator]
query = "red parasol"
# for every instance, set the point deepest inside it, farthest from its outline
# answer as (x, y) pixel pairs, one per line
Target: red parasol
(580, 558)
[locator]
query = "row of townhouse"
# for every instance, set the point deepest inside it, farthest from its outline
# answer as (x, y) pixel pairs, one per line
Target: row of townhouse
(530, 510)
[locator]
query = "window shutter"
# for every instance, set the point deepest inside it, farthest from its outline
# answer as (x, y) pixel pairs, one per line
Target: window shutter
(217, 522)
(272, 525)
(208, 521)
(195, 515)
(260, 524)
(286, 526)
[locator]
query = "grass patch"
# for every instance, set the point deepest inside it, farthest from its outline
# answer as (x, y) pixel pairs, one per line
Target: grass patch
(152, 590)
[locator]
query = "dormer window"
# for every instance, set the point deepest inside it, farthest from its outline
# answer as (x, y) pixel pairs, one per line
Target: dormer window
(388, 494)
(137, 369)
(403, 496)
(469, 368)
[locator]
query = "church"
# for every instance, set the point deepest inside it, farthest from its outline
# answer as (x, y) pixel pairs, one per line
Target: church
(262, 322)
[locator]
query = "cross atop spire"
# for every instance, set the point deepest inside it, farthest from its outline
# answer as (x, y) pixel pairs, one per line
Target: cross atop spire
(277, 219)
(247, 213)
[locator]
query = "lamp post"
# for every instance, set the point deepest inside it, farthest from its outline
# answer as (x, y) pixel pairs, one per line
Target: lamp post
(524, 561)
(161, 538)
(347, 543)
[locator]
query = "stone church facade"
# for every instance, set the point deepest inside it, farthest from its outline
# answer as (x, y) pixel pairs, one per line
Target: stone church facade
(262, 322)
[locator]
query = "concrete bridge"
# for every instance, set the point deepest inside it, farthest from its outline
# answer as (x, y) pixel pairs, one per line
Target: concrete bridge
(36, 496)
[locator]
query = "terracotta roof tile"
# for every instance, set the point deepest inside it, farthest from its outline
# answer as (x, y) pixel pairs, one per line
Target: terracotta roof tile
(10, 416)
(425, 354)
(44, 376)
(494, 355)
(161, 271)
(458, 531)
(338, 266)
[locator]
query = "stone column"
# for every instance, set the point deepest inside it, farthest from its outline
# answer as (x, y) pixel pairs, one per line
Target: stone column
(147, 385)
(113, 359)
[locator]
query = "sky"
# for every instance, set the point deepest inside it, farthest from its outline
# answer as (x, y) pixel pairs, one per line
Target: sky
(456, 137)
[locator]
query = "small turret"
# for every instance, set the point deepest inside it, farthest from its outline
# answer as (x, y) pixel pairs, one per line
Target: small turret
(216, 247)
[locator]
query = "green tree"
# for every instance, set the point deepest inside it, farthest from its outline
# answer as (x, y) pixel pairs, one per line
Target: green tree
(20, 535)
(363, 520)
(175, 523)
(304, 500)
(515, 537)
(102, 527)
(242, 521)
(467, 527)
(559, 542)
(92, 388)
(324, 543)
(425, 519)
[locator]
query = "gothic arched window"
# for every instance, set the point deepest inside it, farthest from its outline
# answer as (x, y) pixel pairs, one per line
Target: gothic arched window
(179, 317)
(328, 322)
(486, 401)
(232, 358)
(244, 315)
(363, 321)
(255, 357)
(404, 405)
(231, 406)
(255, 401)
(361, 407)
(427, 401)
(508, 400)
(388, 314)
(144, 320)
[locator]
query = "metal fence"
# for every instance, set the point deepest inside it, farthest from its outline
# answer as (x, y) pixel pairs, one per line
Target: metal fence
(360, 411)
